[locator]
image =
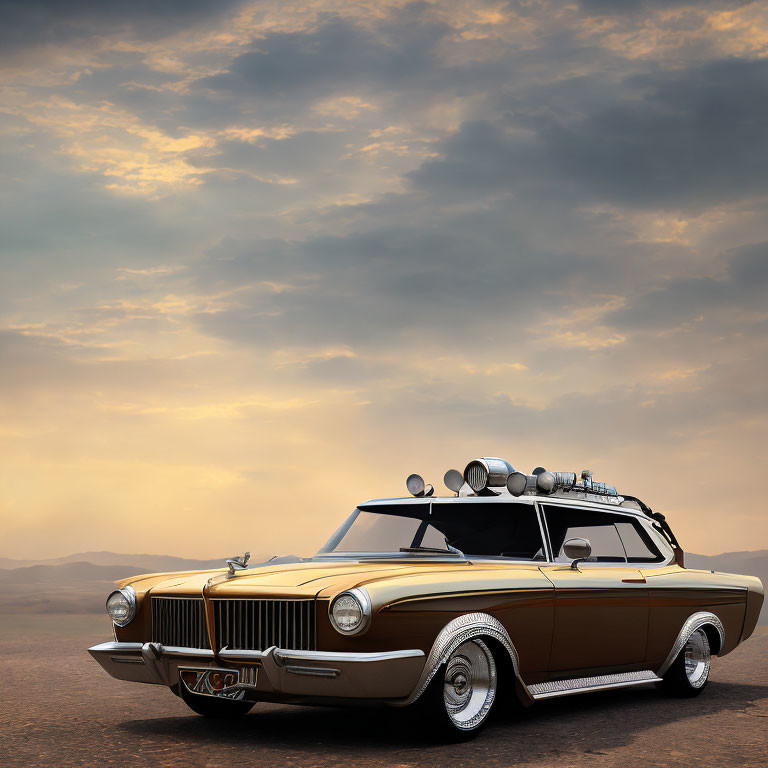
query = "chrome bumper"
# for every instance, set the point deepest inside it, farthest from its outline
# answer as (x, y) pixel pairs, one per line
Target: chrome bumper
(281, 674)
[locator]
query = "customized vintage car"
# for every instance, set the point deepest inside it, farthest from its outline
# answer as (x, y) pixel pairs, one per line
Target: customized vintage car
(518, 587)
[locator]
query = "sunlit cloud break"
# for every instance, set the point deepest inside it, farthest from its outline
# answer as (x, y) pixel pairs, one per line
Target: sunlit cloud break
(263, 260)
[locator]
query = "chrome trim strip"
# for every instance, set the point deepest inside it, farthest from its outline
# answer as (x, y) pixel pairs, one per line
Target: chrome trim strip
(229, 653)
(341, 657)
(178, 650)
(575, 685)
(114, 646)
(158, 649)
(694, 622)
(452, 635)
(284, 654)
(313, 671)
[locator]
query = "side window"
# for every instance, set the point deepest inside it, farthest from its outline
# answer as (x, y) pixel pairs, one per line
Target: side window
(598, 527)
(639, 546)
(372, 532)
(493, 529)
(433, 538)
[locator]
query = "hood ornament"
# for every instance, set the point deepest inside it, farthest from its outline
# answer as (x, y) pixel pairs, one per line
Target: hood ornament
(237, 564)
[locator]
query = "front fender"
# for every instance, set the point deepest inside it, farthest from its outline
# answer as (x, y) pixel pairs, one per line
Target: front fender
(456, 632)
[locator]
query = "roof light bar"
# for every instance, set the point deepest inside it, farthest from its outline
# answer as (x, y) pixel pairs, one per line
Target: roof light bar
(489, 472)
(482, 475)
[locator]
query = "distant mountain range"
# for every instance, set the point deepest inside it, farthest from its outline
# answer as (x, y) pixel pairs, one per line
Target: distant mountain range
(148, 563)
(79, 583)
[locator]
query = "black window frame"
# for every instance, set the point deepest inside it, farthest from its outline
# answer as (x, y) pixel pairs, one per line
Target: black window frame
(422, 510)
(616, 517)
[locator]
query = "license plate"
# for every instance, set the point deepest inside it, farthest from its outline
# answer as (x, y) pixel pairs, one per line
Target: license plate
(210, 682)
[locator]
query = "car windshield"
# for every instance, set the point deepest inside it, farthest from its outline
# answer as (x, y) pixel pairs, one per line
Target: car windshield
(477, 529)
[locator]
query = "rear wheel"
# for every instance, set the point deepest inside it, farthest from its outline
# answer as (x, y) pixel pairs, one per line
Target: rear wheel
(213, 706)
(690, 670)
(460, 697)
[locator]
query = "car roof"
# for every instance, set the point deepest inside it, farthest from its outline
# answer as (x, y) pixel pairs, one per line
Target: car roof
(571, 500)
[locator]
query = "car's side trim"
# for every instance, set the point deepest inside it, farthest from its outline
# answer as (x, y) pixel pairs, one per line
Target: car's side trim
(467, 593)
(557, 688)
(452, 635)
(694, 622)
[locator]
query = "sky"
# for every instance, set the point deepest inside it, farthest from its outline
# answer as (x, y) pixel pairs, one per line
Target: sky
(262, 260)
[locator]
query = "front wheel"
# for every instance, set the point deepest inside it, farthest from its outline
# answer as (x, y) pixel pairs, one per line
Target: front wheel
(690, 670)
(461, 695)
(214, 707)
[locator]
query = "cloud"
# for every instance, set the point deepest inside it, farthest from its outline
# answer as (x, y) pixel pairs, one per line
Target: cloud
(338, 55)
(610, 7)
(374, 288)
(250, 240)
(725, 299)
(689, 139)
(29, 23)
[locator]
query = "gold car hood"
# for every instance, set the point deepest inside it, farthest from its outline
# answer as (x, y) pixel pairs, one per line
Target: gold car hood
(385, 579)
(290, 580)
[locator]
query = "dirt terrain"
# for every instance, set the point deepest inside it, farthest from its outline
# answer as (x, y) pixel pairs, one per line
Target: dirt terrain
(60, 709)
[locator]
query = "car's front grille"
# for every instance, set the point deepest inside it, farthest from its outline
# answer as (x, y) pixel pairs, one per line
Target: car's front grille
(259, 624)
(179, 621)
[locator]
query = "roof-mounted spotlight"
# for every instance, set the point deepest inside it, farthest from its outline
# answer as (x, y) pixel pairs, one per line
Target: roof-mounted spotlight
(519, 483)
(483, 474)
(417, 487)
(453, 480)
(549, 482)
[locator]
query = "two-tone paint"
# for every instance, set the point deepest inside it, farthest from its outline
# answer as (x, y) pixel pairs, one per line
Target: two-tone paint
(554, 626)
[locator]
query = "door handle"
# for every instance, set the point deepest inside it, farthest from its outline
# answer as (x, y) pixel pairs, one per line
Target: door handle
(641, 580)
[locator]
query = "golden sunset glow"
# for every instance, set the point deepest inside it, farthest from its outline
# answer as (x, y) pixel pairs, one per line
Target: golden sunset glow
(261, 261)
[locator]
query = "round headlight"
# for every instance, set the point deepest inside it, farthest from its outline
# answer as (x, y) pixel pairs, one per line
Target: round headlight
(121, 606)
(351, 612)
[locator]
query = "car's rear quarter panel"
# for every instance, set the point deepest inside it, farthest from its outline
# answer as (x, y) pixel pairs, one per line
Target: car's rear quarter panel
(677, 593)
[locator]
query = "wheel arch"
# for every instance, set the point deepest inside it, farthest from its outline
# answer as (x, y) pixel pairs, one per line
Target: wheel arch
(704, 620)
(470, 626)
(715, 640)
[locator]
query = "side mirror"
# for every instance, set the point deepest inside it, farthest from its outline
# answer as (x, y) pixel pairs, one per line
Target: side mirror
(578, 550)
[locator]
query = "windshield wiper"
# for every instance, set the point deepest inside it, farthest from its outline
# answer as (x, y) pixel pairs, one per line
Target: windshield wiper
(435, 550)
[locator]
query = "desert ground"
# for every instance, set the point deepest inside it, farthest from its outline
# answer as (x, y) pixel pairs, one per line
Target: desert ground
(60, 709)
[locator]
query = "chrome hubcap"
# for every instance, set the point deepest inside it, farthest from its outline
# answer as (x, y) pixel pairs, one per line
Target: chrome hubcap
(470, 684)
(697, 658)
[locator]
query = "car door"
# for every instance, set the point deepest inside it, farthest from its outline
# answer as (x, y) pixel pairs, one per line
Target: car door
(601, 607)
